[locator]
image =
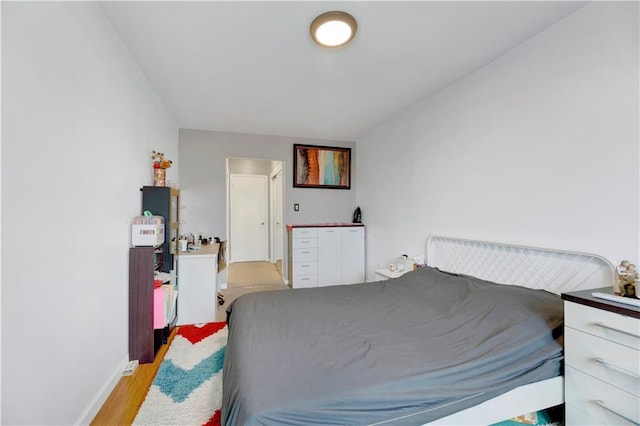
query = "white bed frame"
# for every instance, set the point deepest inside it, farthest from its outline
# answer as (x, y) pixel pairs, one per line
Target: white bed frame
(556, 271)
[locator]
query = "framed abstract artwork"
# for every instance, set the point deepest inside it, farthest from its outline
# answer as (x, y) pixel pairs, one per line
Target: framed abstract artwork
(317, 166)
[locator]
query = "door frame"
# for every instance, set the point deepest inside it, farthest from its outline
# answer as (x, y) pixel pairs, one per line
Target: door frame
(282, 167)
(273, 209)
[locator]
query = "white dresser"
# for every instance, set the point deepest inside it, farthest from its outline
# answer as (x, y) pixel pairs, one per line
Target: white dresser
(325, 254)
(602, 360)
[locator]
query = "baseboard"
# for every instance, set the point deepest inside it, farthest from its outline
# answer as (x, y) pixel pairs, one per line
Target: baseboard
(99, 399)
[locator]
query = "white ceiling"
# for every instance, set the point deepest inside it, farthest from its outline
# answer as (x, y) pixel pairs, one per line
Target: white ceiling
(251, 67)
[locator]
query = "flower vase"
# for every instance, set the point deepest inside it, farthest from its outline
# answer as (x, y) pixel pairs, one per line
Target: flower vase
(159, 177)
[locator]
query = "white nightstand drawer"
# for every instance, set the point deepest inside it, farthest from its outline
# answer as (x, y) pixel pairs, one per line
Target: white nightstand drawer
(603, 359)
(573, 416)
(600, 400)
(305, 268)
(304, 243)
(304, 281)
(305, 254)
(608, 325)
(304, 233)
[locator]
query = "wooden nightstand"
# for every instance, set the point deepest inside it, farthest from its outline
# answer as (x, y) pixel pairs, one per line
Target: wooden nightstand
(602, 360)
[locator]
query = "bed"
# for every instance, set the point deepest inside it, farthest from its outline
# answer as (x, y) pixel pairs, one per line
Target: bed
(474, 338)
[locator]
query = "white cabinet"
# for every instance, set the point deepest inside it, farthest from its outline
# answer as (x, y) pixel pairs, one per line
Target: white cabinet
(326, 255)
(197, 301)
(602, 363)
(303, 257)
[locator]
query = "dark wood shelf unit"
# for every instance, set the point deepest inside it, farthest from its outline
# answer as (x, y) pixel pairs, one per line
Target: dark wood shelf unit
(143, 343)
(144, 340)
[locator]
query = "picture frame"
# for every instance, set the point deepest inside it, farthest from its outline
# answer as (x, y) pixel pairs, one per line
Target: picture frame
(317, 166)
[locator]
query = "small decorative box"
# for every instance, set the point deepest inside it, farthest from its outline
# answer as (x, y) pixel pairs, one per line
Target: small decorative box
(147, 231)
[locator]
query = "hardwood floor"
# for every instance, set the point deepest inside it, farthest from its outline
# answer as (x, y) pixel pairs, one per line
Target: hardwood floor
(123, 403)
(248, 277)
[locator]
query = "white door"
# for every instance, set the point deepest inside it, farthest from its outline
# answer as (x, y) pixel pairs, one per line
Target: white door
(248, 240)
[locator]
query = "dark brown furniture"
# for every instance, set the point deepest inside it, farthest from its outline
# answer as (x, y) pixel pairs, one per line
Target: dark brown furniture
(142, 342)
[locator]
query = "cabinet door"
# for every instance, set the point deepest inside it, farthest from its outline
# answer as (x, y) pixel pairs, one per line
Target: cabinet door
(329, 256)
(197, 301)
(353, 255)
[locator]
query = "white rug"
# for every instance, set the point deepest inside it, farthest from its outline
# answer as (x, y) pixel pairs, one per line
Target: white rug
(187, 389)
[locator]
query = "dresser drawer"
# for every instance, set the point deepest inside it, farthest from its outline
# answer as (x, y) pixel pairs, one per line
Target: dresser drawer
(573, 416)
(600, 400)
(610, 362)
(298, 243)
(304, 232)
(608, 325)
(303, 281)
(305, 268)
(305, 254)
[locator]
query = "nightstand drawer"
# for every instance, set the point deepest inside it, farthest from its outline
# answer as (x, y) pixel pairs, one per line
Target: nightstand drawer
(597, 399)
(305, 268)
(610, 362)
(305, 254)
(608, 325)
(573, 416)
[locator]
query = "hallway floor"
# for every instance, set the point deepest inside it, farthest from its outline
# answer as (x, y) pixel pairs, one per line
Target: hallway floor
(249, 277)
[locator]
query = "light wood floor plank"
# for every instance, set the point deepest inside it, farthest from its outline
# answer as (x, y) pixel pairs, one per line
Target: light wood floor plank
(123, 403)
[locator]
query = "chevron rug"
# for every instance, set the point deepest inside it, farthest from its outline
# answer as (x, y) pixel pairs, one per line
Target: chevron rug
(187, 389)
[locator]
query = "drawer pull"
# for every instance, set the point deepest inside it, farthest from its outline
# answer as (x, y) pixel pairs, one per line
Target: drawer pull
(602, 405)
(599, 324)
(616, 368)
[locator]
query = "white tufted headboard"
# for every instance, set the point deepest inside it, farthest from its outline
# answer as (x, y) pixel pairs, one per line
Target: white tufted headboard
(556, 271)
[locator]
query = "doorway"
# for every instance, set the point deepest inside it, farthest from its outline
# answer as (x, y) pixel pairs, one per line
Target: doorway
(248, 231)
(255, 210)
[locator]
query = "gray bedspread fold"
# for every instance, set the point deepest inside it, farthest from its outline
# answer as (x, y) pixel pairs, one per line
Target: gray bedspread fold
(403, 351)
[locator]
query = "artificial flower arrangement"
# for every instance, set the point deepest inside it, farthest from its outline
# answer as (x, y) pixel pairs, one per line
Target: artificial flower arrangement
(158, 160)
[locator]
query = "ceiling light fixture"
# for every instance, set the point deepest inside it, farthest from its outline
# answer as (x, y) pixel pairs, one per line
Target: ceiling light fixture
(333, 29)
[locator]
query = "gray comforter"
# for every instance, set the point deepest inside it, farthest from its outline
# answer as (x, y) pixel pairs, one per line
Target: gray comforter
(403, 351)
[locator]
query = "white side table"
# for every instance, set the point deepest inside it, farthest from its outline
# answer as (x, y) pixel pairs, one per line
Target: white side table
(385, 274)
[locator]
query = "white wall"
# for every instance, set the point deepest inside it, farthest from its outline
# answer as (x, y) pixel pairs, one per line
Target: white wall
(79, 124)
(538, 148)
(202, 178)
